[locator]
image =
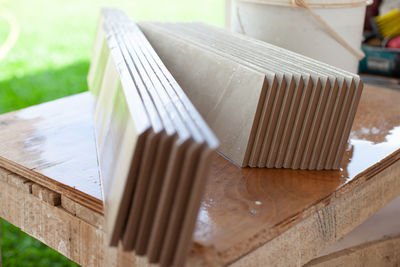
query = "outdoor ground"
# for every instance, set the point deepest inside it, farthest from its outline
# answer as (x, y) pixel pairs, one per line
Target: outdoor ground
(50, 60)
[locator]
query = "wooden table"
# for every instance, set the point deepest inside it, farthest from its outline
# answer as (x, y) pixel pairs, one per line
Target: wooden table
(50, 188)
(376, 242)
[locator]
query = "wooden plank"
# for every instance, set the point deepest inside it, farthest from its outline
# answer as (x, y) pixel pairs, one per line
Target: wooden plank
(383, 252)
(78, 240)
(246, 208)
(302, 239)
(263, 212)
(384, 223)
(44, 144)
(46, 195)
(92, 217)
(1, 258)
(19, 182)
(69, 235)
(374, 243)
(4, 175)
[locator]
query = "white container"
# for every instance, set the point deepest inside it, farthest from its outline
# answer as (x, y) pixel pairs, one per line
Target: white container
(282, 23)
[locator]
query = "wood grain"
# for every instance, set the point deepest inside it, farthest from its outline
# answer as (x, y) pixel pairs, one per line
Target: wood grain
(256, 212)
(76, 237)
(384, 252)
(53, 145)
(81, 241)
(374, 243)
(46, 195)
(52, 225)
(384, 223)
(304, 236)
(244, 208)
(19, 182)
(94, 218)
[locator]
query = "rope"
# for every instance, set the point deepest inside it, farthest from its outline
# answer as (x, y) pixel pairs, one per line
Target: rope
(12, 36)
(240, 21)
(330, 30)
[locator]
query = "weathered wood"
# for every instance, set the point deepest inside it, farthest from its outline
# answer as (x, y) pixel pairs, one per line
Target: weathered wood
(259, 216)
(246, 208)
(53, 145)
(4, 175)
(384, 223)
(92, 217)
(73, 237)
(19, 182)
(46, 195)
(1, 258)
(79, 234)
(383, 252)
(379, 233)
(69, 235)
(326, 222)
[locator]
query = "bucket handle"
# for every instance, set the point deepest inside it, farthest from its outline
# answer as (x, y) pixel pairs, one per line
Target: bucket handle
(331, 31)
(12, 36)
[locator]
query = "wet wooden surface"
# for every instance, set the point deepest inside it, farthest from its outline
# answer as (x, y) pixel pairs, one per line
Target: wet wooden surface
(244, 208)
(52, 144)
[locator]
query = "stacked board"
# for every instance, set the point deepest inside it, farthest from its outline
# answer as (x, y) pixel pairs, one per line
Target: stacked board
(268, 106)
(154, 148)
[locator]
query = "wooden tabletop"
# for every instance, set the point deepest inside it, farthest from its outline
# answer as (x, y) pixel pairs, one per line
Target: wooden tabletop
(53, 144)
(243, 208)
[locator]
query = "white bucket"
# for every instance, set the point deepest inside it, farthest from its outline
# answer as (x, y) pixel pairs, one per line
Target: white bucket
(283, 23)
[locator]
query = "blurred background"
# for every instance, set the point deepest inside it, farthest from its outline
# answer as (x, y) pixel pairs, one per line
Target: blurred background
(51, 56)
(50, 59)
(45, 49)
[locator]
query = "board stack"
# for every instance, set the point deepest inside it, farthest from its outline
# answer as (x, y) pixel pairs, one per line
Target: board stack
(268, 106)
(154, 148)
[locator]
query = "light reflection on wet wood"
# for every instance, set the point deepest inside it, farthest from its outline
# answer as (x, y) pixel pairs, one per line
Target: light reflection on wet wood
(53, 144)
(242, 209)
(246, 207)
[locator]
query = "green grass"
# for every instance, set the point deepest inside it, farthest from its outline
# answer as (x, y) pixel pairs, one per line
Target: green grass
(51, 59)
(43, 86)
(19, 249)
